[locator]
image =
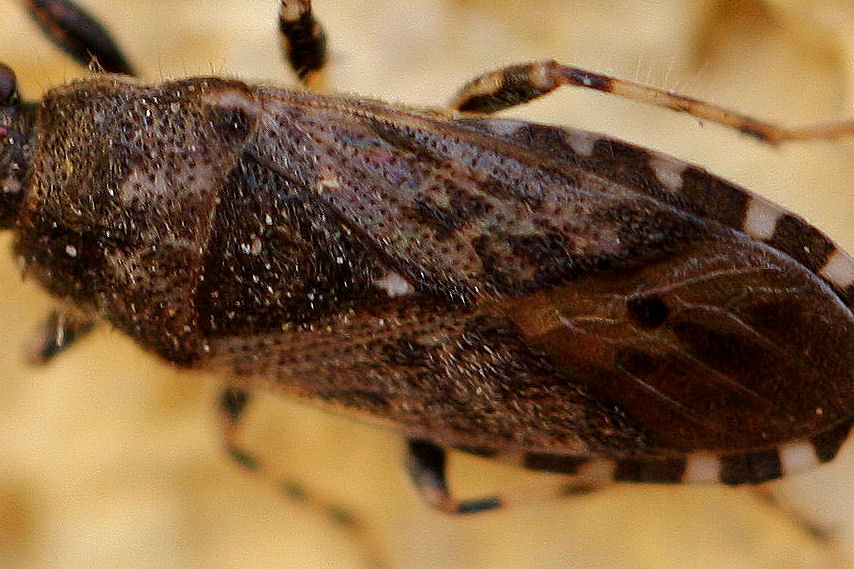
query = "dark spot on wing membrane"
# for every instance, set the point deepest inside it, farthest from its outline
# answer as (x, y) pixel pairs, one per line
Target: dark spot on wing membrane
(649, 311)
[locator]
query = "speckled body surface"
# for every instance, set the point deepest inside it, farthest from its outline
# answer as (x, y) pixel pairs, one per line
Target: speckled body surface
(112, 458)
(557, 293)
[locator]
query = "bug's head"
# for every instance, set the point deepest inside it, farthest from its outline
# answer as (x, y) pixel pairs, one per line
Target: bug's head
(17, 129)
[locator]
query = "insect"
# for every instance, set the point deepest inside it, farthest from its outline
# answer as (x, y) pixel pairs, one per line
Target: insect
(525, 292)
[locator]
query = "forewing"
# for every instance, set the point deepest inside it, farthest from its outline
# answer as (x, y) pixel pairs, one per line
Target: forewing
(712, 318)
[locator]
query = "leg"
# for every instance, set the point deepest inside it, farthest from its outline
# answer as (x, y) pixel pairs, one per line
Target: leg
(426, 463)
(519, 84)
(59, 331)
(302, 38)
(78, 34)
(233, 404)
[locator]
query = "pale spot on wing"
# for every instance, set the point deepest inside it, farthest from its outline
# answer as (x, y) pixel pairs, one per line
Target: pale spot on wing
(394, 285)
(761, 217)
(327, 184)
(702, 468)
(582, 143)
(505, 127)
(839, 269)
(231, 98)
(668, 171)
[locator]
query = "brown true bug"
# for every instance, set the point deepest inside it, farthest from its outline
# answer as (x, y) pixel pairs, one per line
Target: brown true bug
(667, 327)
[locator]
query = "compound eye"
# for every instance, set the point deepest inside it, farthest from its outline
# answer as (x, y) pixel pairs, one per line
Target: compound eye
(8, 85)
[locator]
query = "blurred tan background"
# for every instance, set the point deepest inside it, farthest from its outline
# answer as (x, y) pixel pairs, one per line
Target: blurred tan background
(110, 459)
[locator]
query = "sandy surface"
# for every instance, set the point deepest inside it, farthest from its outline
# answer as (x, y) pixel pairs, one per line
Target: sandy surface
(110, 459)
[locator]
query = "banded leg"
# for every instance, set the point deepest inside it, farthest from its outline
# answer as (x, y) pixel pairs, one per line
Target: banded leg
(518, 84)
(426, 464)
(232, 407)
(302, 39)
(59, 331)
(79, 34)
